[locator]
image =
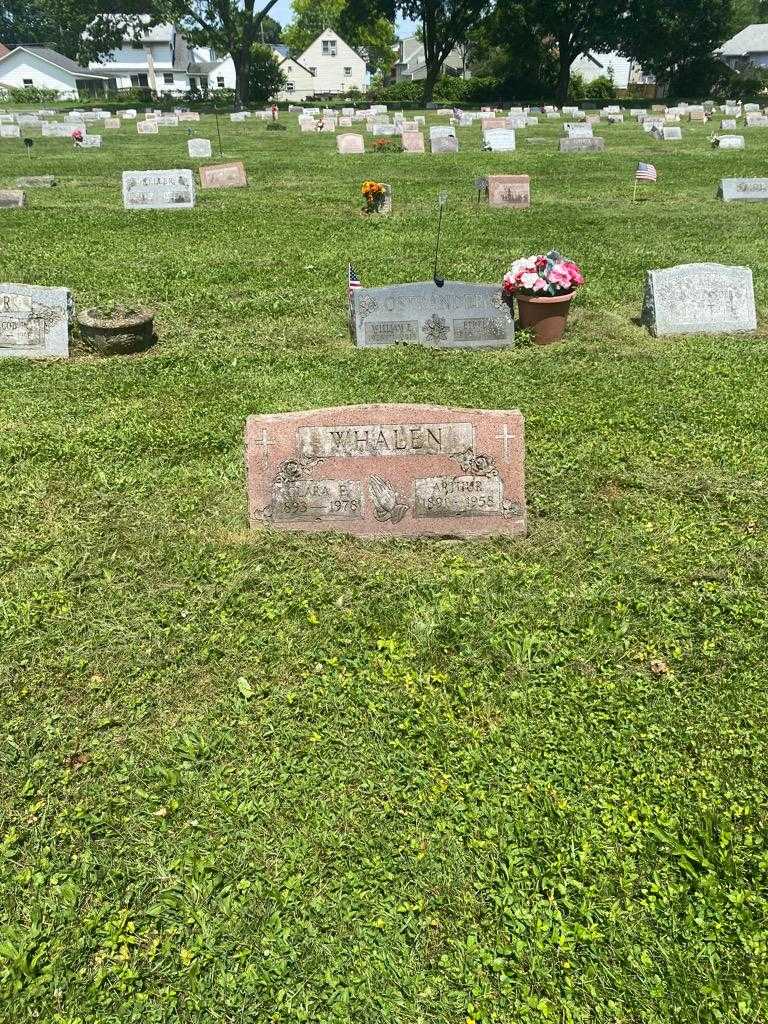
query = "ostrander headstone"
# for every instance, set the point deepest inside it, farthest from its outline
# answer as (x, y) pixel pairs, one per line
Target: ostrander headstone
(350, 143)
(595, 145)
(699, 298)
(12, 199)
(509, 190)
(34, 322)
(457, 315)
(744, 190)
(199, 148)
(388, 471)
(229, 175)
(158, 190)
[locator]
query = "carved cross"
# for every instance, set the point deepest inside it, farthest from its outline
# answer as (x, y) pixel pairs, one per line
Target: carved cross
(266, 444)
(506, 437)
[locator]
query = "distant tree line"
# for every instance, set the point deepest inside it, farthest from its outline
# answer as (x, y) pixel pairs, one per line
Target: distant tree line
(525, 47)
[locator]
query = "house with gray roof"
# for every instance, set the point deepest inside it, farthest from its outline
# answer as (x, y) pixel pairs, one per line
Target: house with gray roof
(38, 67)
(748, 48)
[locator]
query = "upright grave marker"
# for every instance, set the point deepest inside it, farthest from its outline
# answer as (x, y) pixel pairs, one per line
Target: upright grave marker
(34, 322)
(595, 145)
(158, 190)
(455, 315)
(699, 298)
(744, 190)
(499, 140)
(199, 148)
(413, 142)
(388, 471)
(350, 143)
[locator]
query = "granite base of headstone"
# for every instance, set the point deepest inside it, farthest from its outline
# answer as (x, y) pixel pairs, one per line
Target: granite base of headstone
(378, 471)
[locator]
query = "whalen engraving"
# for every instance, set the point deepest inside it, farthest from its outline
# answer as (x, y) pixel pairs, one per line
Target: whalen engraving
(451, 439)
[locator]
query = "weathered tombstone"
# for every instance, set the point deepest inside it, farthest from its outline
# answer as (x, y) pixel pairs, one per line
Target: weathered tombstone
(516, 121)
(745, 190)
(730, 142)
(199, 148)
(345, 122)
(34, 322)
(12, 198)
(444, 144)
(37, 181)
(388, 471)
(413, 142)
(189, 115)
(697, 115)
(158, 190)
(129, 115)
(509, 190)
(441, 131)
(90, 142)
(728, 123)
(499, 140)
(751, 108)
(350, 143)
(147, 128)
(229, 175)
(756, 121)
(57, 130)
(595, 145)
(10, 131)
(456, 315)
(168, 121)
(112, 123)
(239, 117)
(615, 118)
(579, 131)
(307, 124)
(489, 123)
(530, 120)
(699, 298)
(671, 134)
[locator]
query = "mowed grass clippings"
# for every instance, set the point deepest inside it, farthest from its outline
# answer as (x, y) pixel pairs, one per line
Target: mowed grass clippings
(261, 777)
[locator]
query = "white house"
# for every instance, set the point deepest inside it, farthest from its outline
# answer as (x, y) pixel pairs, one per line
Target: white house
(327, 67)
(411, 64)
(40, 68)
(623, 71)
(747, 48)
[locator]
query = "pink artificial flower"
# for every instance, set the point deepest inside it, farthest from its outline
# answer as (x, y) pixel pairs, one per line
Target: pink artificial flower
(529, 280)
(541, 262)
(576, 275)
(539, 285)
(509, 283)
(560, 276)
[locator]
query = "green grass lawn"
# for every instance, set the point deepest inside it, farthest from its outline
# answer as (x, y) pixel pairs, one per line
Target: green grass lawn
(262, 777)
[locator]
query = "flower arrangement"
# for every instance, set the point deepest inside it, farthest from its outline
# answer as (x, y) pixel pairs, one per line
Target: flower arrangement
(77, 137)
(388, 146)
(374, 194)
(542, 276)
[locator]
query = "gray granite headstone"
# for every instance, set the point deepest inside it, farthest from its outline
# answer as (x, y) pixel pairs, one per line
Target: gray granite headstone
(730, 142)
(499, 140)
(34, 322)
(671, 134)
(728, 123)
(12, 199)
(744, 190)
(158, 190)
(456, 315)
(90, 142)
(596, 145)
(699, 298)
(199, 148)
(445, 144)
(10, 131)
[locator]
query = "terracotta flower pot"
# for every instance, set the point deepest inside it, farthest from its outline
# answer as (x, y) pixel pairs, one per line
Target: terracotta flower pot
(118, 334)
(546, 316)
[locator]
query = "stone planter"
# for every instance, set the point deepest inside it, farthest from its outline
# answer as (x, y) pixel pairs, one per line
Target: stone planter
(546, 316)
(123, 332)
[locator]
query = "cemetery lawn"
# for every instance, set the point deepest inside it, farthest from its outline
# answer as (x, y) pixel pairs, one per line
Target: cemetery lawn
(257, 777)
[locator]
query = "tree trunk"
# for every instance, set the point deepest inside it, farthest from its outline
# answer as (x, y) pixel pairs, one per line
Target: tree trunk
(241, 58)
(564, 74)
(430, 81)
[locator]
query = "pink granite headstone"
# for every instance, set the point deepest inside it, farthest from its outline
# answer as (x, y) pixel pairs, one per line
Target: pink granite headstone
(350, 143)
(413, 142)
(510, 190)
(388, 471)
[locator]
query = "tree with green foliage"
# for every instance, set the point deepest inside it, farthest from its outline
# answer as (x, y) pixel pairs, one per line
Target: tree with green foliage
(443, 25)
(673, 40)
(80, 29)
(228, 26)
(569, 27)
(266, 79)
(372, 35)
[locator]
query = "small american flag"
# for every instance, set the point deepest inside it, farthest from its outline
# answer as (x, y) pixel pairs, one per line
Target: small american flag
(645, 172)
(353, 282)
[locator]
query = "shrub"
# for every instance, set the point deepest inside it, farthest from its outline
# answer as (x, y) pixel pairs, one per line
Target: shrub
(600, 88)
(30, 94)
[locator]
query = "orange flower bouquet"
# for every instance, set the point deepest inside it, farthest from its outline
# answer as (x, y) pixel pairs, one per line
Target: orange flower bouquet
(374, 194)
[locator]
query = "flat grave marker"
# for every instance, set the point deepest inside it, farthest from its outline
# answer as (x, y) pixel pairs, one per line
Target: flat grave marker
(382, 471)
(12, 199)
(34, 322)
(228, 175)
(511, 191)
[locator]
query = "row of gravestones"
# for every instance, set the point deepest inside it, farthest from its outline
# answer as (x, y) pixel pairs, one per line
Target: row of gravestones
(698, 298)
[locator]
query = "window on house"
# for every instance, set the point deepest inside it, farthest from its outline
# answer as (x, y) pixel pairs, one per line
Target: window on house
(193, 84)
(347, 72)
(27, 83)
(220, 81)
(139, 81)
(290, 87)
(168, 77)
(329, 47)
